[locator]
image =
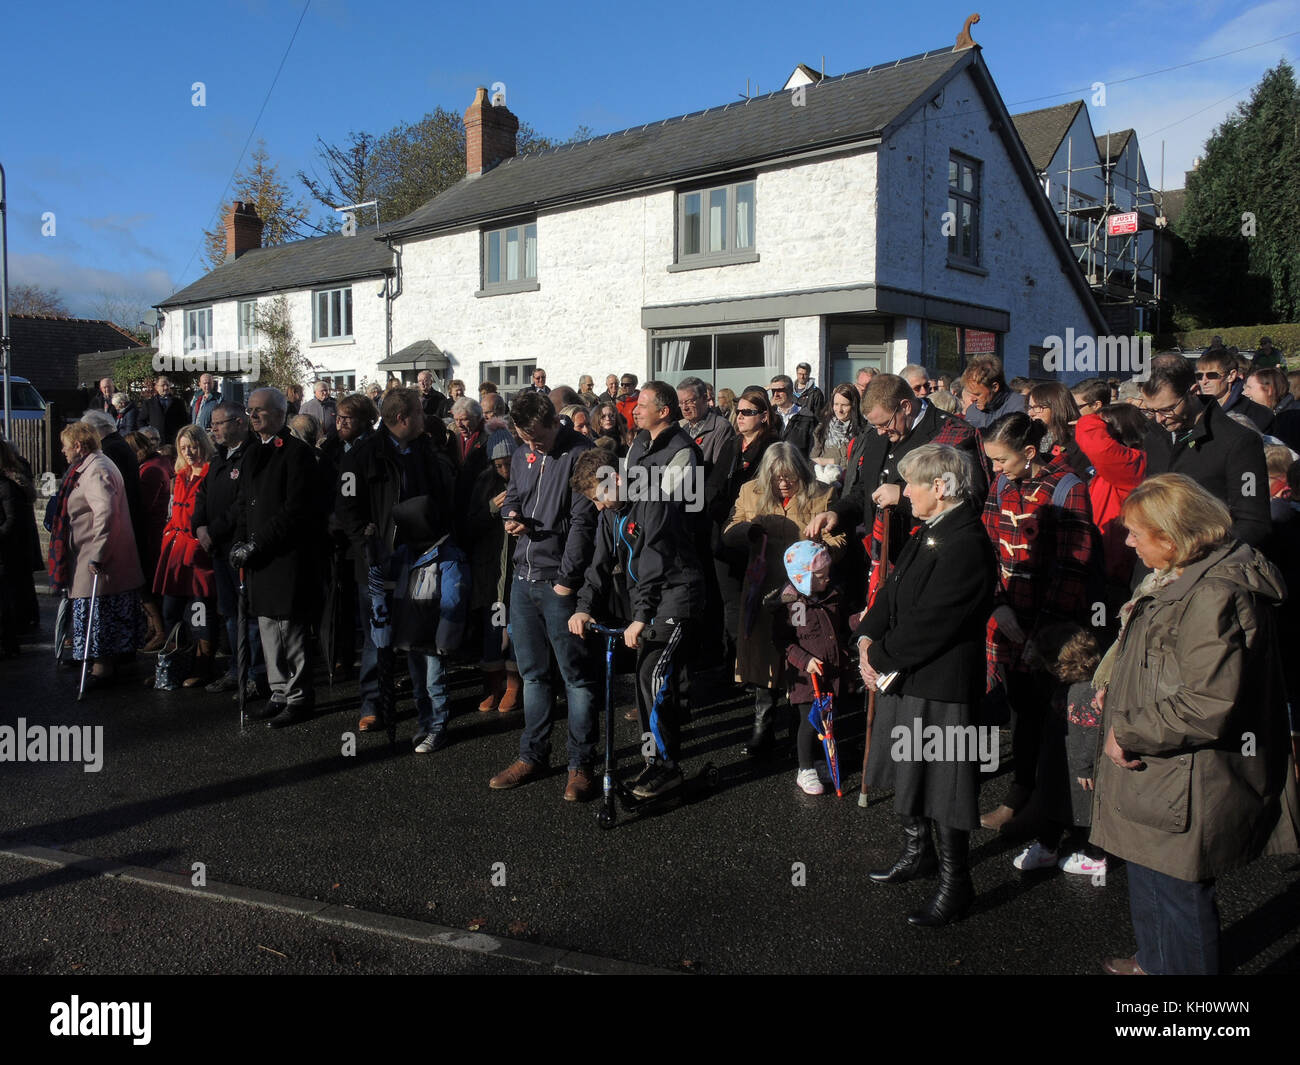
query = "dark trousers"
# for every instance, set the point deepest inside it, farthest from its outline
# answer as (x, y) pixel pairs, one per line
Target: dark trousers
(658, 694)
(177, 608)
(227, 581)
(807, 737)
(1030, 697)
(1176, 923)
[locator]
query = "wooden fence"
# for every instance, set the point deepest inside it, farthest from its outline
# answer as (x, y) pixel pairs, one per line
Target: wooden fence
(34, 440)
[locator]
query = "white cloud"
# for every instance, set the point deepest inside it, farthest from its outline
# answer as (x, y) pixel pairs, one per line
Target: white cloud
(82, 287)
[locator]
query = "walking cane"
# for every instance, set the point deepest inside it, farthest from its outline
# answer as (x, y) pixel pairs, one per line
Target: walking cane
(90, 622)
(886, 522)
(242, 650)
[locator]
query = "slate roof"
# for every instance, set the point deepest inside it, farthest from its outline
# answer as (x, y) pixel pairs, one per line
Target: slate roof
(298, 264)
(1042, 131)
(46, 347)
(1118, 142)
(839, 110)
(1174, 201)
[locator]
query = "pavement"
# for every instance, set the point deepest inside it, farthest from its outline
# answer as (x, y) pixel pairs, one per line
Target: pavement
(752, 876)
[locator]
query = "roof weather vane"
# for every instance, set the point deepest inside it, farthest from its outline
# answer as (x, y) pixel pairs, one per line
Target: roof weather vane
(964, 39)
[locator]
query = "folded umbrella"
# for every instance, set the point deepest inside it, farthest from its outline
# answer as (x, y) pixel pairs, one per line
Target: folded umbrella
(822, 717)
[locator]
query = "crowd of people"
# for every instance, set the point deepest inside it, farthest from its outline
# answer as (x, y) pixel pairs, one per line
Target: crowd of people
(1100, 566)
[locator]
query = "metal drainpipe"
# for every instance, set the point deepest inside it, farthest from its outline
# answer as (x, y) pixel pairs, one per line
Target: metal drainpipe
(4, 305)
(391, 294)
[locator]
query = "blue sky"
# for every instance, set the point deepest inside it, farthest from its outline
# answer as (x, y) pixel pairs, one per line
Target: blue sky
(97, 125)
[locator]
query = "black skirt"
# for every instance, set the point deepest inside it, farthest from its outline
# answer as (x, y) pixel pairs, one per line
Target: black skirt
(930, 753)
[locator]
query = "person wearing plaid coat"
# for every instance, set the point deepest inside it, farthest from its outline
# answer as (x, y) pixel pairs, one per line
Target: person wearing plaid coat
(1044, 567)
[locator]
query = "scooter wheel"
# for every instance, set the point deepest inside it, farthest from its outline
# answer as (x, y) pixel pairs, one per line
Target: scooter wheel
(711, 775)
(605, 818)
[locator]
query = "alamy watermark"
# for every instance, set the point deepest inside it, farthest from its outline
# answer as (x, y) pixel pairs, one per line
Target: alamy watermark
(53, 743)
(665, 484)
(946, 743)
(224, 363)
(1098, 354)
(75, 1017)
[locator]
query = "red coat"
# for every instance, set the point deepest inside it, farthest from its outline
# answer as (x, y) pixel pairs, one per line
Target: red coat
(627, 405)
(184, 567)
(1119, 470)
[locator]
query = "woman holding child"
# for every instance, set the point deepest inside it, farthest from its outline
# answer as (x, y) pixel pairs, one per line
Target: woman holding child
(927, 626)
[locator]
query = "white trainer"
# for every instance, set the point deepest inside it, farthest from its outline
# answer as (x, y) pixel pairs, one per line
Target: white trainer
(1081, 865)
(1035, 856)
(810, 782)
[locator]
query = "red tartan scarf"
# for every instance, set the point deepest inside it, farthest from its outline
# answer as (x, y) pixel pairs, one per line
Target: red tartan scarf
(62, 561)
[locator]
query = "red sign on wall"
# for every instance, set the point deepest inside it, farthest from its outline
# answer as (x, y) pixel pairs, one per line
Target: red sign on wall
(1118, 225)
(980, 342)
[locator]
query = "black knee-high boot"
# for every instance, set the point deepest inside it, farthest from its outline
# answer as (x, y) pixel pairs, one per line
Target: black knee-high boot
(760, 740)
(956, 891)
(917, 858)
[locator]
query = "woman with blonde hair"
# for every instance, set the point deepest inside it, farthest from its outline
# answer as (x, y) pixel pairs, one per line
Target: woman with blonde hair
(91, 537)
(1179, 794)
(769, 515)
(184, 574)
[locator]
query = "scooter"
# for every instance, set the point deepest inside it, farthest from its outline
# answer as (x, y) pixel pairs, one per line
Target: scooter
(607, 815)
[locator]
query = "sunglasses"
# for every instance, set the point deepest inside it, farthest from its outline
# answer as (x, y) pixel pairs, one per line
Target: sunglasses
(1209, 375)
(748, 412)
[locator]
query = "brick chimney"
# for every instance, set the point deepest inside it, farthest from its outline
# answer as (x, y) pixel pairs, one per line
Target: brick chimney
(489, 134)
(243, 229)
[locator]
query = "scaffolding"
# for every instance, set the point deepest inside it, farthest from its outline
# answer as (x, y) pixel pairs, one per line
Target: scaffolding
(1122, 269)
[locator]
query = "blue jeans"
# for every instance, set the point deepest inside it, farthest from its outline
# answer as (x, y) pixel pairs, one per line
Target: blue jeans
(430, 688)
(1176, 923)
(539, 624)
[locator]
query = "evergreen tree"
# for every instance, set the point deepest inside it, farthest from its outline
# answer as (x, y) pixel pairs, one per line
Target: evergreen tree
(1241, 260)
(283, 218)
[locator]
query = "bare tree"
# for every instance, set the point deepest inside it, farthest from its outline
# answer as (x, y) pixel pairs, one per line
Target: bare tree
(33, 299)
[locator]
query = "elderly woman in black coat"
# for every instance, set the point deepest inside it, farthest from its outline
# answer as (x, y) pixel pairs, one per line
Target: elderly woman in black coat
(921, 645)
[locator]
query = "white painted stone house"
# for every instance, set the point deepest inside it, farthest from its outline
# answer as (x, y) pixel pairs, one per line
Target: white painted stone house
(875, 218)
(334, 286)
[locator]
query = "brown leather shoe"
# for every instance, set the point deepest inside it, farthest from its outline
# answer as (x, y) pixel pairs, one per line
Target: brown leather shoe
(995, 819)
(494, 686)
(581, 785)
(519, 772)
(368, 723)
(513, 697)
(1123, 967)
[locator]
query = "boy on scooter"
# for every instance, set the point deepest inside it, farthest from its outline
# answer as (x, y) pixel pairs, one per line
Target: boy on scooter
(644, 572)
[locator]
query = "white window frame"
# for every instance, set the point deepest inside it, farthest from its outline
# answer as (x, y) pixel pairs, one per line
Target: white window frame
(246, 324)
(499, 373)
(523, 231)
(192, 320)
(344, 313)
(728, 254)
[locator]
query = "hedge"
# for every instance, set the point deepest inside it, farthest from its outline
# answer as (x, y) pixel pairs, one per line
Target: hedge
(1286, 337)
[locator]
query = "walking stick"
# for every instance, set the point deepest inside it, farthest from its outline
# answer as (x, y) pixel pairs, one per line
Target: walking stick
(90, 621)
(242, 651)
(886, 521)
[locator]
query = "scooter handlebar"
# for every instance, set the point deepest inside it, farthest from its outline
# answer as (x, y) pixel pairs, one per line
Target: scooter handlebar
(604, 630)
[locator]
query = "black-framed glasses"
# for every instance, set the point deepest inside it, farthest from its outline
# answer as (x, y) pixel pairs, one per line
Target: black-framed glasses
(778, 391)
(1164, 412)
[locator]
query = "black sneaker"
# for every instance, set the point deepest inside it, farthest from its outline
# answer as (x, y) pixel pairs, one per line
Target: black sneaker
(289, 715)
(663, 780)
(647, 771)
(227, 682)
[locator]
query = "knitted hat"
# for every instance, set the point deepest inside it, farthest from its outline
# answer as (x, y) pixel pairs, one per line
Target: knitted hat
(803, 559)
(501, 444)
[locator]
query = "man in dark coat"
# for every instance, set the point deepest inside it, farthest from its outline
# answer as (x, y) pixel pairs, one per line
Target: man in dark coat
(1193, 437)
(215, 517)
(705, 425)
(395, 490)
(798, 424)
(899, 422)
(275, 543)
(806, 393)
(166, 411)
(1218, 378)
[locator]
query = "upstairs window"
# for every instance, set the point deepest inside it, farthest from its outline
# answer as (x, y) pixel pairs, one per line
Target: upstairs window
(716, 226)
(247, 324)
(331, 314)
(964, 211)
(510, 259)
(198, 330)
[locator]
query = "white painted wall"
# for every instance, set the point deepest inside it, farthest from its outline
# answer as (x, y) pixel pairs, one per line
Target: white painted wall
(598, 265)
(1025, 276)
(359, 355)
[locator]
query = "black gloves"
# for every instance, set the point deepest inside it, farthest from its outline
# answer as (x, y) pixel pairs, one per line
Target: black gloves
(242, 554)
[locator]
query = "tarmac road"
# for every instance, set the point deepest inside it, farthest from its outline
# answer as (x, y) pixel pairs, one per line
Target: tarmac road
(754, 877)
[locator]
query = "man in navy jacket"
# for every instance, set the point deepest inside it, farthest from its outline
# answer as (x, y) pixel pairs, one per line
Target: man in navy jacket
(555, 527)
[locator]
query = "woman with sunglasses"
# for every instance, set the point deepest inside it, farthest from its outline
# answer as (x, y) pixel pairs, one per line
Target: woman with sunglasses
(737, 464)
(1052, 403)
